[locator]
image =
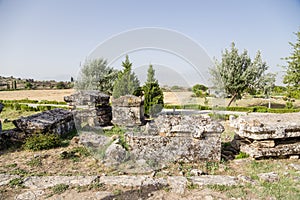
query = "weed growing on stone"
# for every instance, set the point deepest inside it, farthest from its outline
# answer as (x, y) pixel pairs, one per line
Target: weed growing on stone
(16, 182)
(191, 186)
(241, 155)
(75, 154)
(212, 167)
(59, 189)
(117, 131)
(19, 171)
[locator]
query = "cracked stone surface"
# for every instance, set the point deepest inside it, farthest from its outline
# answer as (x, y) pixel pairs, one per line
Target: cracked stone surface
(6, 178)
(43, 182)
(214, 180)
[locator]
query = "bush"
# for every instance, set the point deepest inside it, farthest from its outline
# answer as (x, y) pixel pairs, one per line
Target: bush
(218, 116)
(289, 105)
(261, 109)
(241, 155)
(39, 142)
(17, 106)
(241, 109)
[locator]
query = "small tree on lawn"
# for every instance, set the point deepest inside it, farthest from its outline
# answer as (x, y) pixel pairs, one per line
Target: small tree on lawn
(292, 76)
(199, 90)
(236, 72)
(154, 98)
(127, 82)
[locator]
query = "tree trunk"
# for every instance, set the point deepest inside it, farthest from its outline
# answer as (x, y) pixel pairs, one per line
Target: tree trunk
(232, 99)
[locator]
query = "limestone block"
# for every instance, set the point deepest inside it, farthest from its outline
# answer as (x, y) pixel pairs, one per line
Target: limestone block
(128, 111)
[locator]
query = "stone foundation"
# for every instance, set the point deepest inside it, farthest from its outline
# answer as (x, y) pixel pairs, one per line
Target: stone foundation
(178, 138)
(268, 135)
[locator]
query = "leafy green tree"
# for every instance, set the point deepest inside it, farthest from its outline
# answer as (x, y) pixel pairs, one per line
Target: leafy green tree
(127, 82)
(28, 85)
(236, 72)
(153, 95)
(96, 75)
(292, 76)
(199, 90)
(61, 85)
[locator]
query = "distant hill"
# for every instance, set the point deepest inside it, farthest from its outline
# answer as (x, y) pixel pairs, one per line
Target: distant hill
(12, 83)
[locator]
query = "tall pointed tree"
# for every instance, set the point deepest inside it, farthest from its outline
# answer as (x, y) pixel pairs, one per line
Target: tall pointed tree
(127, 82)
(154, 98)
(292, 76)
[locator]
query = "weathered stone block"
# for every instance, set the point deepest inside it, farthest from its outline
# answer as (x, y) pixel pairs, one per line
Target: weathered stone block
(178, 140)
(268, 135)
(128, 111)
(90, 98)
(94, 108)
(57, 121)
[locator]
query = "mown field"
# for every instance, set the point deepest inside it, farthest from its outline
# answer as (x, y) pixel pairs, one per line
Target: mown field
(174, 98)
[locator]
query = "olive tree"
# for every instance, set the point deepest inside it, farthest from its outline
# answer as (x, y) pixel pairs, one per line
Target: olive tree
(236, 73)
(96, 75)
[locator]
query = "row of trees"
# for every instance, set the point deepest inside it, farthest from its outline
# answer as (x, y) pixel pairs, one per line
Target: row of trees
(96, 75)
(235, 74)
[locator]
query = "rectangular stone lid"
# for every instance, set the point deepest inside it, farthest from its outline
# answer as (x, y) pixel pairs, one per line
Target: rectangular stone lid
(261, 126)
(42, 120)
(88, 97)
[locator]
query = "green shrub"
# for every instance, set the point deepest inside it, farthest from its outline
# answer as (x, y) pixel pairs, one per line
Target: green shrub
(294, 94)
(39, 142)
(52, 102)
(289, 105)
(241, 155)
(43, 108)
(120, 132)
(261, 109)
(241, 109)
(17, 106)
(75, 153)
(274, 110)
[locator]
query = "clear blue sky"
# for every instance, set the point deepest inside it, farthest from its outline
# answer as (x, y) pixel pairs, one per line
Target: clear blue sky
(48, 39)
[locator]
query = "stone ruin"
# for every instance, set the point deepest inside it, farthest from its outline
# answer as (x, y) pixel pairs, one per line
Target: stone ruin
(128, 111)
(56, 121)
(177, 138)
(268, 135)
(93, 110)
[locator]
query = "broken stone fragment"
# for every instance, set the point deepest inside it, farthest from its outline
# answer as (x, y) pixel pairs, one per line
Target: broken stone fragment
(269, 177)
